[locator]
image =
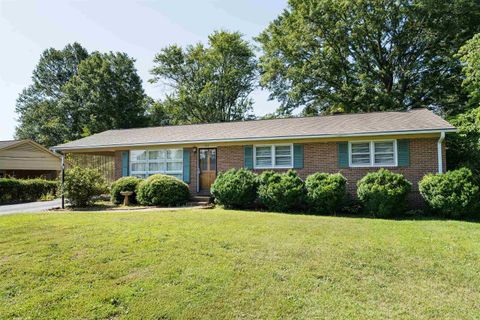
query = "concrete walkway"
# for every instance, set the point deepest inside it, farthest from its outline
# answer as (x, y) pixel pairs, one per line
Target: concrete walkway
(39, 206)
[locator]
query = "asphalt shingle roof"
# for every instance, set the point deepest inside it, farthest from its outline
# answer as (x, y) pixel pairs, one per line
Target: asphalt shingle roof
(416, 120)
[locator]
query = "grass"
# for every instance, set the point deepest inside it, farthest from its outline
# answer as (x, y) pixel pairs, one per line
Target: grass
(218, 264)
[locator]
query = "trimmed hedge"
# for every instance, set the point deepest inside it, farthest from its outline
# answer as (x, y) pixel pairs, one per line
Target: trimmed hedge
(19, 190)
(82, 185)
(325, 192)
(453, 194)
(235, 188)
(162, 190)
(281, 191)
(124, 184)
(383, 193)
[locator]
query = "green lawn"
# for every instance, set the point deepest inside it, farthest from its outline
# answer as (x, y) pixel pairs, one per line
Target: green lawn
(218, 264)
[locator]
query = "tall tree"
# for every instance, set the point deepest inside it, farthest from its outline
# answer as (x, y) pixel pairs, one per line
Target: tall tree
(40, 118)
(106, 93)
(209, 84)
(464, 147)
(364, 55)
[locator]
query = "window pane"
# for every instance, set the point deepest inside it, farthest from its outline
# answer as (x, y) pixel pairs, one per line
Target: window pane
(157, 155)
(263, 156)
(363, 147)
(174, 166)
(213, 159)
(384, 159)
(361, 159)
(263, 151)
(141, 176)
(282, 151)
(138, 155)
(384, 147)
(178, 176)
(264, 162)
(283, 161)
(139, 167)
(174, 154)
(156, 166)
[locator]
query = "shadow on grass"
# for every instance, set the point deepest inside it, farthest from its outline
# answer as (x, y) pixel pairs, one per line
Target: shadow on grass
(412, 215)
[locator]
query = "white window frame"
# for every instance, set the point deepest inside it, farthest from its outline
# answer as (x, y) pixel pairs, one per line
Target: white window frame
(272, 156)
(372, 154)
(147, 161)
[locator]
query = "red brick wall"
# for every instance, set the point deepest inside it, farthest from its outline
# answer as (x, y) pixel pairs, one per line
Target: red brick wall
(323, 157)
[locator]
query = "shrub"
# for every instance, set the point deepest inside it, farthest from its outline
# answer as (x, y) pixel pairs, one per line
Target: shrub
(383, 193)
(281, 191)
(235, 188)
(82, 185)
(18, 190)
(325, 192)
(453, 193)
(162, 190)
(124, 184)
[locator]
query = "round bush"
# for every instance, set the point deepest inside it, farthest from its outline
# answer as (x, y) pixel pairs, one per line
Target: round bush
(452, 194)
(124, 184)
(325, 192)
(383, 193)
(82, 185)
(235, 188)
(281, 191)
(162, 190)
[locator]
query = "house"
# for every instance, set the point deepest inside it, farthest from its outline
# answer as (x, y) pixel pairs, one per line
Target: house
(27, 159)
(410, 142)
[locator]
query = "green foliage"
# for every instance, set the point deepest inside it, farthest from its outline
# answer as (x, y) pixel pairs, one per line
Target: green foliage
(82, 185)
(40, 116)
(210, 84)
(454, 193)
(325, 192)
(235, 188)
(464, 146)
(383, 193)
(106, 93)
(363, 55)
(75, 94)
(281, 191)
(124, 184)
(469, 55)
(162, 190)
(19, 190)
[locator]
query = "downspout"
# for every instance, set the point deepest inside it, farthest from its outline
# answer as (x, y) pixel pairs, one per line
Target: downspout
(439, 152)
(63, 181)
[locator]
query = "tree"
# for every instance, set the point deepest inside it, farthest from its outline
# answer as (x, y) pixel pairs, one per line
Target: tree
(469, 55)
(106, 93)
(40, 118)
(464, 147)
(209, 84)
(364, 55)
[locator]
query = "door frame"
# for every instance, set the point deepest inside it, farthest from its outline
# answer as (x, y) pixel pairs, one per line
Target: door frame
(198, 164)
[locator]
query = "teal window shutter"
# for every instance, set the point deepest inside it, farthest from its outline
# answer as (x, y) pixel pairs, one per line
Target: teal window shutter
(186, 165)
(298, 156)
(403, 153)
(125, 156)
(343, 154)
(248, 157)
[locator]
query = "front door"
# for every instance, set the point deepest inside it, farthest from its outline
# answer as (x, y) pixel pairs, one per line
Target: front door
(208, 168)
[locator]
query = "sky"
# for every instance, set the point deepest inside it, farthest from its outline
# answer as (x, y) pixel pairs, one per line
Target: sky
(138, 28)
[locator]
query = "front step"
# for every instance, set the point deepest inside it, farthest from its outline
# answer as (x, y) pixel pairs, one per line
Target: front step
(203, 201)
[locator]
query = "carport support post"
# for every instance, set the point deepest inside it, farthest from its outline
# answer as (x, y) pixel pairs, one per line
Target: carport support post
(63, 180)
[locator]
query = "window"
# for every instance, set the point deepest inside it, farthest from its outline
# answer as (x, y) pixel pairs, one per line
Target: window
(144, 163)
(273, 156)
(373, 153)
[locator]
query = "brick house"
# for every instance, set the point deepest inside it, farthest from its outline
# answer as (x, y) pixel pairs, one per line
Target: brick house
(410, 142)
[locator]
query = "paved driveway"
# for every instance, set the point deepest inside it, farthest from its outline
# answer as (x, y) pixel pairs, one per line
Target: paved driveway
(30, 207)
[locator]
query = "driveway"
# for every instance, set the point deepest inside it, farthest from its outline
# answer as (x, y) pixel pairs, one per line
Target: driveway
(30, 207)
